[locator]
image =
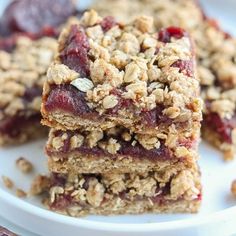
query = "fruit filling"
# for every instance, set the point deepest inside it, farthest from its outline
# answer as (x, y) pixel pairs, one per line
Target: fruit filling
(166, 34)
(75, 52)
(223, 127)
(104, 146)
(14, 126)
(67, 98)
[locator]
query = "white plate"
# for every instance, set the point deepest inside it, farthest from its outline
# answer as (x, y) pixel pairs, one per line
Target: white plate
(217, 215)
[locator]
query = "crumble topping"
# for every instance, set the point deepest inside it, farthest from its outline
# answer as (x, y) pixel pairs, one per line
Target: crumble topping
(148, 142)
(183, 183)
(95, 193)
(215, 54)
(23, 73)
(111, 146)
(94, 189)
(40, 184)
(127, 63)
(60, 73)
(112, 139)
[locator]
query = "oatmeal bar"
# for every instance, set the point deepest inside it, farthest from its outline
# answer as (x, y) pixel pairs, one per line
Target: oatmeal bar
(118, 150)
(27, 46)
(107, 74)
(216, 56)
(106, 194)
(21, 80)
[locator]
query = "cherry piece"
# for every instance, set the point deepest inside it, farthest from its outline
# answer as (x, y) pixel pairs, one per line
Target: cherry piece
(107, 23)
(67, 98)
(185, 67)
(166, 34)
(75, 52)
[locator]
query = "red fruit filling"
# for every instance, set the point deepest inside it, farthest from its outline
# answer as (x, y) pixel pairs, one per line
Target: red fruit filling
(223, 127)
(185, 67)
(14, 126)
(69, 99)
(75, 52)
(107, 23)
(166, 34)
(31, 93)
(127, 149)
(162, 153)
(35, 16)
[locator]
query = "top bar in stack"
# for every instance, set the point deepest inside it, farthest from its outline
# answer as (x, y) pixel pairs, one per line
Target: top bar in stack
(215, 53)
(107, 74)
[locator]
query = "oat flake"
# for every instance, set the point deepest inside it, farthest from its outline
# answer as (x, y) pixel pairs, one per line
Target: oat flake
(82, 84)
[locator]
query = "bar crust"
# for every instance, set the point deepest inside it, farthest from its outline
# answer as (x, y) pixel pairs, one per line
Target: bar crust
(144, 83)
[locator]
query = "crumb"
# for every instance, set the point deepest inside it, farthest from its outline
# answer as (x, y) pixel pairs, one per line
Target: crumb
(45, 202)
(7, 182)
(39, 185)
(24, 165)
(233, 188)
(229, 155)
(20, 193)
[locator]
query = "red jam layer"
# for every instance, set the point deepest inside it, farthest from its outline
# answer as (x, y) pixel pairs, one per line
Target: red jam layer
(223, 127)
(69, 99)
(14, 126)
(75, 52)
(127, 149)
(162, 153)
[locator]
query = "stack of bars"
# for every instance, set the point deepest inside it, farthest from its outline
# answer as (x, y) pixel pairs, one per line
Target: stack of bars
(124, 109)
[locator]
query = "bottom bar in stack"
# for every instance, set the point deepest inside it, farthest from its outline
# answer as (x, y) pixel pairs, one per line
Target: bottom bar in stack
(105, 194)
